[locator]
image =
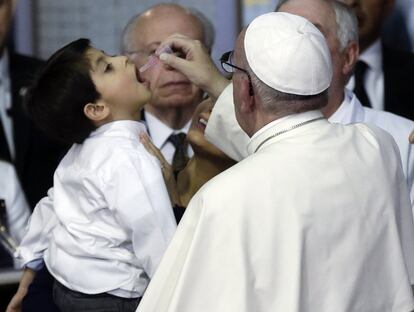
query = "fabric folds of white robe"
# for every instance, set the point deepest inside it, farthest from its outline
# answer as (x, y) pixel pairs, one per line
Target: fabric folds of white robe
(224, 131)
(294, 227)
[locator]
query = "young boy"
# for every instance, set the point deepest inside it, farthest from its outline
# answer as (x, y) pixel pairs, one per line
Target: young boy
(107, 221)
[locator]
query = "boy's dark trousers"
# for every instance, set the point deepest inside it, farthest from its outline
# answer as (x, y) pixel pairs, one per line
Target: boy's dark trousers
(72, 301)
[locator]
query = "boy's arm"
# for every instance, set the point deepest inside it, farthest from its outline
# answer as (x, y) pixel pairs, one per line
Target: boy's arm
(137, 195)
(15, 304)
(36, 239)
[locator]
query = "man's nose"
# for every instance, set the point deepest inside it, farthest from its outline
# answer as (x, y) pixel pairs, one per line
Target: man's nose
(167, 67)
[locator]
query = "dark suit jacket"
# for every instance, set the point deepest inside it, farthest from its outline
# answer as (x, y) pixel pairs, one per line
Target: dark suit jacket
(398, 67)
(36, 156)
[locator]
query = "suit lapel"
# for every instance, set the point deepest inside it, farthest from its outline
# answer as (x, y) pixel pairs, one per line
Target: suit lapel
(4, 146)
(398, 67)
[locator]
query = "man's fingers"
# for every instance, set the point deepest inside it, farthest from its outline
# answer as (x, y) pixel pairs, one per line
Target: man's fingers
(147, 143)
(180, 42)
(176, 62)
(166, 168)
(151, 148)
(411, 138)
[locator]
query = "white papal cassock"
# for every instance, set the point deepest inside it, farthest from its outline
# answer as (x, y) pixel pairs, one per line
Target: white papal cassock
(295, 227)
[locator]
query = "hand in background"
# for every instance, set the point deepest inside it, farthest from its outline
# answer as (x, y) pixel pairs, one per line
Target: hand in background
(411, 138)
(195, 63)
(15, 304)
(166, 168)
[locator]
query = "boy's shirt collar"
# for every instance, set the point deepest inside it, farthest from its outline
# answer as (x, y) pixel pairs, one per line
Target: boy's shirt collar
(122, 128)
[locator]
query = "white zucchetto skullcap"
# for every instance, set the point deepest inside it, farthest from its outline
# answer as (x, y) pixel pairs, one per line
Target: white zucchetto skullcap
(288, 53)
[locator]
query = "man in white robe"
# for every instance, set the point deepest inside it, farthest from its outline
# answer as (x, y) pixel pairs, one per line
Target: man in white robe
(294, 226)
(339, 25)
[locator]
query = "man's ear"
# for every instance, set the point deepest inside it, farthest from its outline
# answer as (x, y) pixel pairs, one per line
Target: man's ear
(247, 95)
(96, 111)
(351, 53)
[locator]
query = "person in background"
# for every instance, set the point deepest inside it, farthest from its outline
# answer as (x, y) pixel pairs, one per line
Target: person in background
(34, 155)
(31, 151)
(206, 163)
(174, 98)
(383, 75)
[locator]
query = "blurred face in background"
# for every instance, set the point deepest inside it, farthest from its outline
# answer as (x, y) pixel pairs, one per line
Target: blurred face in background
(5, 18)
(322, 15)
(371, 15)
(170, 88)
(195, 134)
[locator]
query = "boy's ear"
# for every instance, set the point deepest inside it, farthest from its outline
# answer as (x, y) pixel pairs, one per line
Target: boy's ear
(96, 111)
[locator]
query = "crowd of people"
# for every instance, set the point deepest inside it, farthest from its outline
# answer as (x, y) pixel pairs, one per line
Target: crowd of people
(153, 182)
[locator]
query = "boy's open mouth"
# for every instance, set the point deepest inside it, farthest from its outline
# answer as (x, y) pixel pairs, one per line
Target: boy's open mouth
(137, 75)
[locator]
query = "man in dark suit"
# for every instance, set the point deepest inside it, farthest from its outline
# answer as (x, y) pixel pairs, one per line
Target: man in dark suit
(33, 154)
(384, 75)
(174, 99)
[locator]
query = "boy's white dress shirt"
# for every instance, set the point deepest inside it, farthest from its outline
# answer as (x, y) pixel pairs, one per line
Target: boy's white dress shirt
(108, 219)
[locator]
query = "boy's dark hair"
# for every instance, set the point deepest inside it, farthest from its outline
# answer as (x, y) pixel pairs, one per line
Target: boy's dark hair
(56, 99)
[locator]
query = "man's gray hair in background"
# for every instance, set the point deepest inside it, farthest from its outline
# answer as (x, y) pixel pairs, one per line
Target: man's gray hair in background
(206, 25)
(346, 22)
(208, 28)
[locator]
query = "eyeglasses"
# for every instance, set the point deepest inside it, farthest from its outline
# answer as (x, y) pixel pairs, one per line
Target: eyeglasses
(226, 61)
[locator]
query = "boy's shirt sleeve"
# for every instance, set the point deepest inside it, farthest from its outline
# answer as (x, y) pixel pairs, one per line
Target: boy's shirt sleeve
(41, 223)
(138, 196)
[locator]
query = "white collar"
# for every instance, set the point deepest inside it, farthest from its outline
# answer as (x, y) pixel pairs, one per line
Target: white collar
(269, 125)
(120, 128)
(262, 136)
(159, 131)
(373, 56)
(350, 110)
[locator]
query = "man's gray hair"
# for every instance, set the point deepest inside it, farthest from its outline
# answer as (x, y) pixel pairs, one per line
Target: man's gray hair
(274, 101)
(346, 22)
(208, 28)
(205, 23)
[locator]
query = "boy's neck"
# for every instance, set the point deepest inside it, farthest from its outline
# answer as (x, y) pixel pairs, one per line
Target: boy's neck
(109, 119)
